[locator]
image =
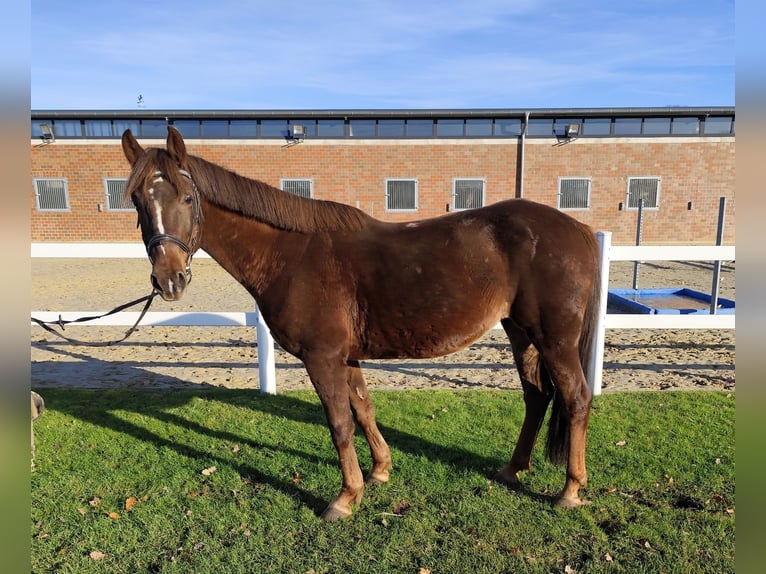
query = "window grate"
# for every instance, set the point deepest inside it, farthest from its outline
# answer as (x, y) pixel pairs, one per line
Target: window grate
(299, 187)
(51, 194)
(574, 193)
(468, 193)
(646, 188)
(401, 195)
(115, 195)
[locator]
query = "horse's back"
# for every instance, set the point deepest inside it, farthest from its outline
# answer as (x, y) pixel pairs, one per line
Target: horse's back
(430, 287)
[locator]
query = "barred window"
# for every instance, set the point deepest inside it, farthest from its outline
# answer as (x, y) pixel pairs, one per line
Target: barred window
(115, 195)
(646, 188)
(51, 194)
(574, 193)
(300, 187)
(467, 193)
(401, 195)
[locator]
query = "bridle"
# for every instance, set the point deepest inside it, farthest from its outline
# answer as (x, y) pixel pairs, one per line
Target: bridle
(190, 247)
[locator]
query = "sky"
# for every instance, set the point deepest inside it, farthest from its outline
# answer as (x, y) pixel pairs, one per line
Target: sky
(397, 54)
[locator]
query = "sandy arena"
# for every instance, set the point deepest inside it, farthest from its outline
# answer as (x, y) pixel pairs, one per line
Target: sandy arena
(189, 357)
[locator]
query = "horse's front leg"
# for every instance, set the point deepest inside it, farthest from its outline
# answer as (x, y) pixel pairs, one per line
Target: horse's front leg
(330, 378)
(364, 411)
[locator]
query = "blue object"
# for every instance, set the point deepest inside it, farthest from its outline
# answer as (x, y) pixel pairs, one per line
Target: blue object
(666, 301)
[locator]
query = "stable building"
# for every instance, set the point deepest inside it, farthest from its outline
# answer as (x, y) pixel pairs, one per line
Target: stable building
(598, 165)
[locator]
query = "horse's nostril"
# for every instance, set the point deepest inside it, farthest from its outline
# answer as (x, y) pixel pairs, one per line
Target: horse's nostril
(181, 280)
(155, 283)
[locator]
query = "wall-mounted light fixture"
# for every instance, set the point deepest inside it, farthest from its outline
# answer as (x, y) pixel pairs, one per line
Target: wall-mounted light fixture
(46, 133)
(572, 130)
(296, 135)
(299, 132)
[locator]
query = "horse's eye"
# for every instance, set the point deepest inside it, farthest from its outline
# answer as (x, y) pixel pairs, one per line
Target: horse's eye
(187, 198)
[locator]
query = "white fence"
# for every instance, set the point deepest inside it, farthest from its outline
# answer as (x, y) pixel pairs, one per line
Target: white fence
(266, 366)
(609, 253)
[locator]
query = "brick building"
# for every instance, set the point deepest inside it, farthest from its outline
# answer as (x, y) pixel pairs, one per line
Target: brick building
(400, 165)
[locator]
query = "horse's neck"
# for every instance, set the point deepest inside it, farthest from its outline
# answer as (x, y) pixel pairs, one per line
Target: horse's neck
(245, 248)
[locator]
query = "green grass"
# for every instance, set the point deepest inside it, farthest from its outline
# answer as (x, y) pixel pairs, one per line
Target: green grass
(663, 499)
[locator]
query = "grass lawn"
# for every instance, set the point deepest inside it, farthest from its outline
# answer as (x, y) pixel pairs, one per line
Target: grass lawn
(231, 481)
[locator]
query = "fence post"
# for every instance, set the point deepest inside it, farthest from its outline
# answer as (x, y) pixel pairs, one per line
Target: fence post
(639, 233)
(596, 366)
(267, 375)
(717, 264)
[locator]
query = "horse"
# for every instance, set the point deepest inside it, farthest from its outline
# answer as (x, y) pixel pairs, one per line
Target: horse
(336, 287)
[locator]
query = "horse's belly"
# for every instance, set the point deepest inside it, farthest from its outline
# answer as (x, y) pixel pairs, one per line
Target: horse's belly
(423, 340)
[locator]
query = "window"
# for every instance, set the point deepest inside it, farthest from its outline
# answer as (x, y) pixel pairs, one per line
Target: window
(215, 128)
(300, 187)
(401, 195)
(274, 128)
(115, 195)
(597, 126)
(331, 128)
(656, 126)
(718, 125)
(627, 126)
(646, 188)
(391, 128)
(449, 127)
(507, 127)
(574, 193)
(467, 193)
(476, 127)
(361, 128)
(685, 126)
(98, 128)
(244, 128)
(540, 127)
(420, 128)
(121, 125)
(154, 128)
(188, 128)
(51, 194)
(67, 128)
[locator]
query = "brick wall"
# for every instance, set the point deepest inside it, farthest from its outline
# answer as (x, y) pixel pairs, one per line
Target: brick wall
(696, 170)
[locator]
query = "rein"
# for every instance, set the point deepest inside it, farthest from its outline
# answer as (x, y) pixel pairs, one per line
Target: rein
(61, 323)
(157, 239)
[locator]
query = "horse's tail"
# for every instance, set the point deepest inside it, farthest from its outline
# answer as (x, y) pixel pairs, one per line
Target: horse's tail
(557, 442)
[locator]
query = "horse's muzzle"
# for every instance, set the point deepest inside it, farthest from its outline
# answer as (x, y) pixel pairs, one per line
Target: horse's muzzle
(170, 286)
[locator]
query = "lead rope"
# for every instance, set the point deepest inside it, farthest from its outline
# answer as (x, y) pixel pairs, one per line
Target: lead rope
(61, 323)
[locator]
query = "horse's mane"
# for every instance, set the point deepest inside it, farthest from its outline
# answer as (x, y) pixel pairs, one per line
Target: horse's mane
(253, 198)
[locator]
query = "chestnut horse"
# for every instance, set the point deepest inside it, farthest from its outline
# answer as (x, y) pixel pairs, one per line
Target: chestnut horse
(336, 287)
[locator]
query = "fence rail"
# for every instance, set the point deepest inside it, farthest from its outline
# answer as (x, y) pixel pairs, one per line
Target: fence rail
(266, 365)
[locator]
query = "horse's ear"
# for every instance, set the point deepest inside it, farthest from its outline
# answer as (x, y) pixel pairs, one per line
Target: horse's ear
(177, 147)
(131, 148)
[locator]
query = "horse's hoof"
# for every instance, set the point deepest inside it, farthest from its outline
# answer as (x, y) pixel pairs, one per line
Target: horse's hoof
(510, 479)
(333, 514)
(570, 503)
(376, 478)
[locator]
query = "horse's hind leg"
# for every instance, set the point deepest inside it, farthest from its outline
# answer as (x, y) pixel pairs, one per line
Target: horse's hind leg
(537, 396)
(569, 420)
(330, 377)
(364, 411)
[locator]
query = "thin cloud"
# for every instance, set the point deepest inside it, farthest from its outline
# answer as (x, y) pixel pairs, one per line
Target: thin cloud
(375, 54)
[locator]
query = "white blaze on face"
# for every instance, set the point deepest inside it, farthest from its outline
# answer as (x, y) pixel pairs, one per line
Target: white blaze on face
(157, 212)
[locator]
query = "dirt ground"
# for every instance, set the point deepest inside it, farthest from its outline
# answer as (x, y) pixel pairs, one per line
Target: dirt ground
(184, 357)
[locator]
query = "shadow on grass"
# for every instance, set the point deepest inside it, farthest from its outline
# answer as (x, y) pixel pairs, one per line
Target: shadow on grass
(95, 406)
